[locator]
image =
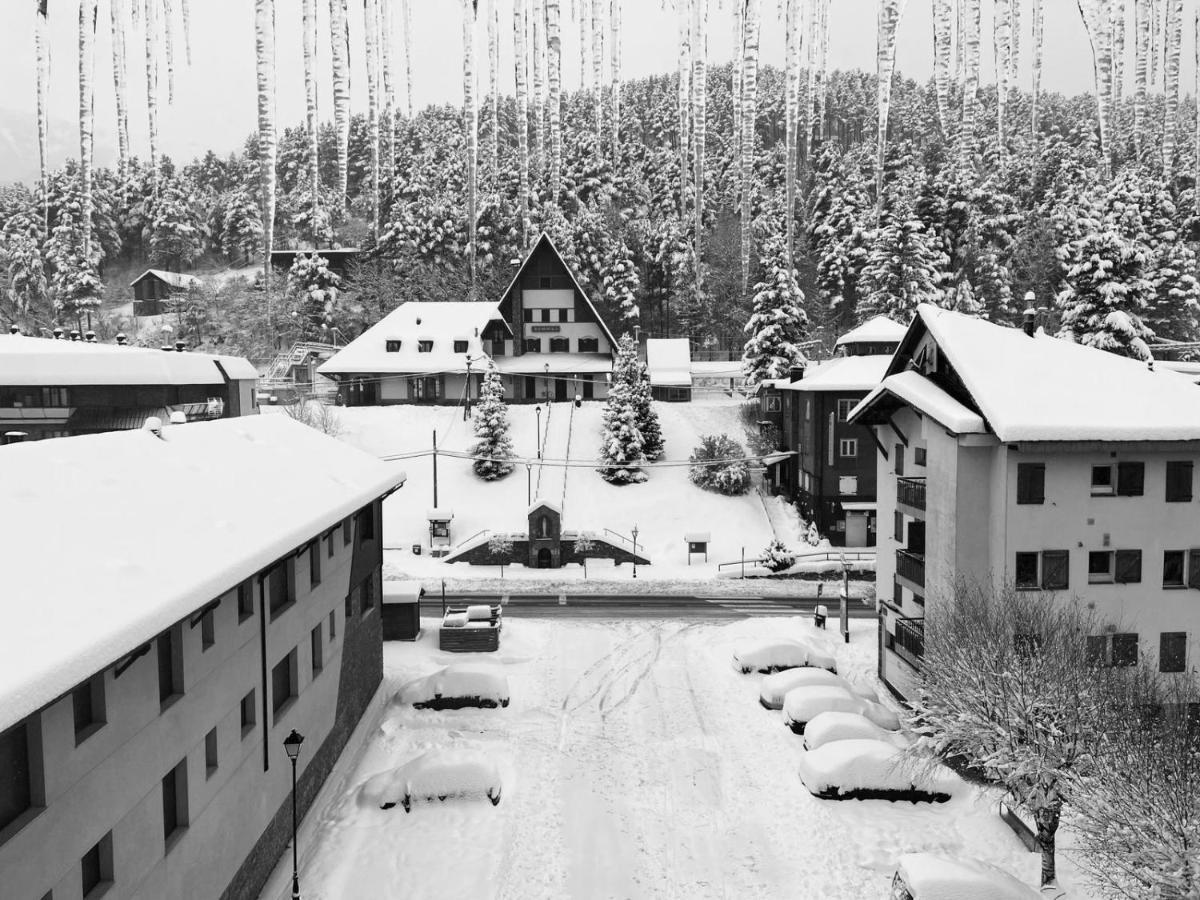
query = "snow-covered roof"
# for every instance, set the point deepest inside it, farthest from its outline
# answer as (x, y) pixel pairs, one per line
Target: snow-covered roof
(396, 592)
(1043, 388)
(440, 513)
(930, 876)
(443, 323)
(669, 362)
(916, 390)
(878, 330)
(844, 373)
(175, 279)
(31, 361)
(561, 363)
(109, 539)
(539, 503)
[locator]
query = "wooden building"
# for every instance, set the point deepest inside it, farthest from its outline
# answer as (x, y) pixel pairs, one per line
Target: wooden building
(154, 288)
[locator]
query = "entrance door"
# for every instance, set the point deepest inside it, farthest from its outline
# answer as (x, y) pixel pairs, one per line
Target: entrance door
(545, 559)
(856, 529)
(560, 388)
(588, 389)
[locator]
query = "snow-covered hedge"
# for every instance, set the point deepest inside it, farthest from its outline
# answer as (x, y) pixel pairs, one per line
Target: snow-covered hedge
(869, 769)
(458, 686)
(730, 477)
(827, 727)
(437, 774)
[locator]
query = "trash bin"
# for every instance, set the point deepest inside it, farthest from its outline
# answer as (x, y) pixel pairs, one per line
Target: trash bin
(416, 549)
(402, 610)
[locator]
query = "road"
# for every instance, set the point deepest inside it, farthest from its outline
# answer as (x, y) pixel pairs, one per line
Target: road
(643, 606)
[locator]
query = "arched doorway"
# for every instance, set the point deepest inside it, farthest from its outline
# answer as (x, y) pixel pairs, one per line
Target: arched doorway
(545, 559)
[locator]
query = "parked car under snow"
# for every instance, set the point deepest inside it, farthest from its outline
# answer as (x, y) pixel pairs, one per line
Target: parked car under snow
(873, 770)
(828, 727)
(782, 654)
(776, 686)
(802, 704)
(435, 775)
(929, 876)
(458, 686)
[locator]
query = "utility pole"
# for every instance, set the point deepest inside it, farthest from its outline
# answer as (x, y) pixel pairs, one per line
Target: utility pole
(435, 503)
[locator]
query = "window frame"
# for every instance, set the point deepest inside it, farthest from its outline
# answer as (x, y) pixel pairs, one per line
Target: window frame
(844, 406)
(245, 600)
(248, 713)
(212, 760)
(88, 698)
(1065, 556)
(1102, 489)
(178, 818)
(172, 640)
(560, 345)
(314, 563)
(1025, 557)
(1179, 466)
(843, 443)
(533, 345)
(282, 701)
(1095, 576)
(1133, 564)
(589, 345)
(1031, 493)
(1176, 654)
(460, 346)
(1182, 557)
(392, 345)
(103, 854)
(1131, 479)
(425, 345)
(317, 651)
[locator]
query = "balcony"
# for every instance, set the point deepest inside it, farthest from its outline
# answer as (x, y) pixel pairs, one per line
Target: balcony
(911, 568)
(910, 492)
(909, 641)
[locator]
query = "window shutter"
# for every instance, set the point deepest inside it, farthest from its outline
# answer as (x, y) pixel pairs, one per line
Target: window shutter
(1193, 578)
(1055, 569)
(1097, 649)
(1124, 649)
(1129, 566)
(1031, 482)
(1179, 480)
(1172, 651)
(1131, 478)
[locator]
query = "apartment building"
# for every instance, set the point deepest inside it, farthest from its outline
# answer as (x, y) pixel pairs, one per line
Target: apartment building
(177, 600)
(1010, 457)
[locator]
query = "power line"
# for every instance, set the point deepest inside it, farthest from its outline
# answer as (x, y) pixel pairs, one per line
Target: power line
(586, 464)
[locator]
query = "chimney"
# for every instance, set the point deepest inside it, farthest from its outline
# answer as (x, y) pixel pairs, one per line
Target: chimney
(90, 336)
(58, 334)
(13, 437)
(180, 346)
(154, 425)
(74, 334)
(795, 373)
(178, 417)
(1029, 324)
(121, 339)
(13, 329)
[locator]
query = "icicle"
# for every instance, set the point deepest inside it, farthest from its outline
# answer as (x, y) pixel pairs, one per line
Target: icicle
(471, 123)
(168, 21)
(1002, 42)
(1196, 94)
(942, 10)
(1173, 45)
(699, 41)
(739, 49)
(370, 21)
(187, 31)
(822, 38)
(889, 17)
(1118, 50)
(807, 50)
(1097, 21)
(339, 40)
(751, 18)
(264, 40)
(522, 98)
(406, 21)
(614, 49)
(311, 120)
(1156, 20)
(793, 49)
(598, 70)
(585, 49)
(970, 38)
(1141, 71)
(683, 109)
(1039, 31)
(120, 70)
(493, 31)
(150, 19)
(87, 100)
(554, 70)
(388, 119)
(1014, 42)
(41, 43)
(539, 83)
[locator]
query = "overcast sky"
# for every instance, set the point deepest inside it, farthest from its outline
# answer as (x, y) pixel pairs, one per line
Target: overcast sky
(215, 97)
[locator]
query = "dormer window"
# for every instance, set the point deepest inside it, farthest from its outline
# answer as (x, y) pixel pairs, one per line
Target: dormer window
(460, 346)
(392, 345)
(424, 346)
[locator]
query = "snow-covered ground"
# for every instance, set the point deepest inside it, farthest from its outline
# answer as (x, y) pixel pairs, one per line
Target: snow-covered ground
(664, 508)
(635, 763)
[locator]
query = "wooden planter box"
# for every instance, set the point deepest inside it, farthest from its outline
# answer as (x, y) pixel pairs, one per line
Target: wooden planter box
(470, 639)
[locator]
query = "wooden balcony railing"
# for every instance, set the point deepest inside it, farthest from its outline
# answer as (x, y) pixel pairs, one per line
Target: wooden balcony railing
(911, 566)
(911, 492)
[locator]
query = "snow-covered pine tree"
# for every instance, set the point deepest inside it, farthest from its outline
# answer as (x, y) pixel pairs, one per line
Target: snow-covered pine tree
(621, 448)
(75, 282)
(313, 292)
(630, 370)
(176, 237)
(900, 272)
(778, 324)
(491, 427)
(619, 281)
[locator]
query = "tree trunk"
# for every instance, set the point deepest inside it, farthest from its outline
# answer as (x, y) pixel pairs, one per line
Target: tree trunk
(1046, 820)
(339, 45)
(310, 99)
(41, 42)
(87, 60)
(264, 40)
(471, 123)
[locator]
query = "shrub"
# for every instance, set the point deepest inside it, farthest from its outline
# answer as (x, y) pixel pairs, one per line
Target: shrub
(731, 477)
(777, 557)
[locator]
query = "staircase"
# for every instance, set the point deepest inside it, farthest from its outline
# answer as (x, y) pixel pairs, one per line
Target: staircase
(298, 355)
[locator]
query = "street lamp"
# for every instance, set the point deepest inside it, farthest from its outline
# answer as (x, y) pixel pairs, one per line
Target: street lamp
(291, 744)
(538, 410)
(546, 368)
(635, 551)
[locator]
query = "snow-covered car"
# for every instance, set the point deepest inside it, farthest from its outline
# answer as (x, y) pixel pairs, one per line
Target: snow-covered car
(458, 686)
(803, 704)
(780, 654)
(435, 775)
(828, 727)
(776, 686)
(929, 876)
(865, 769)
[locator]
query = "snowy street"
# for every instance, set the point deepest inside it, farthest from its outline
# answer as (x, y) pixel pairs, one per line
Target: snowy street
(635, 763)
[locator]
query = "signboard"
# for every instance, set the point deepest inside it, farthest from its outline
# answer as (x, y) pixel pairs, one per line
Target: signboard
(538, 329)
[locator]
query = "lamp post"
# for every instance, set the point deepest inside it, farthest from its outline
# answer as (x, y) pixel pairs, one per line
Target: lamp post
(538, 410)
(467, 405)
(291, 744)
(546, 369)
(635, 551)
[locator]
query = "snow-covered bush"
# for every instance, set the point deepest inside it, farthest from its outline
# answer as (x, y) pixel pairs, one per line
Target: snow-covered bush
(315, 414)
(491, 427)
(500, 547)
(812, 537)
(777, 557)
(729, 476)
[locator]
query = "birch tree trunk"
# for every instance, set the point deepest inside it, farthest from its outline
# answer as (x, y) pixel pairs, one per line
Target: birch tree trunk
(339, 45)
(1173, 41)
(168, 22)
(87, 62)
(471, 123)
(264, 44)
(519, 71)
(149, 20)
(792, 49)
(1141, 71)
(614, 49)
(371, 21)
(1002, 42)
(942, 28)
(699, 128)
(41, 43)
(684, 97)
(554, 69)
(539, 83)
(970, 38)
(120, 69)
(1039, 31)
(311, 120)
(885, 58)
(752, 20)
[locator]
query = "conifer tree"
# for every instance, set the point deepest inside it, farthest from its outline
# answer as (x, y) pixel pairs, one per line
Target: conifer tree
(619, 281)
(778, 324)
(176, 239)
(632, 371)
(622, 446)
(312, 293)
(491, 427)
(900, 273)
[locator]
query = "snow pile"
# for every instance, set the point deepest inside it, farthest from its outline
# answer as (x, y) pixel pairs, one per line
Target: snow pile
(437, 774)
(462, 684)
(776, 686)
(843, 770)
(777, 655)
(479, 613)
(803, 704)
(455, 620)
(929, 876)
(827, 727)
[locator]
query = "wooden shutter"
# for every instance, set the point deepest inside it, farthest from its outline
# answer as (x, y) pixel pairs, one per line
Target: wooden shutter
(1128, 566)
(1172, 651)
(1179, 480)
(1131, 479)
(1055, 569)
(1031, 482)
(1193, 575)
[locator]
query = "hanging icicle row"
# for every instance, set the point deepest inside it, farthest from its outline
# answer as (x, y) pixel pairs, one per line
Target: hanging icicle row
(168, 24)
(1002, 43)
(538, 50)
(150, 20)
(970, 41)
(554, 71)
(387, 62)
(41, 43)
(942, 27)
(187, 31)
(683, 22)
(370, 22)
(264, 43)
(309, 21)
(471, 124)
(792, 51)
(751, 18)
(822, 39)
(1173, 45)
(1039, 32)
(699, 43)
(739, 49)
(493, 14)
(1097, 20)
(598, 70)
(339, 39)
(406, 22)
(88, 13)
(522, 98)
(614, 48)
(1141, 71)
(120, 73)
(885, 57)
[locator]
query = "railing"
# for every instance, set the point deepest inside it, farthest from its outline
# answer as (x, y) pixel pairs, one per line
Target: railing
(911, 566)
(911, 492)
(834, 555)
(909, 640)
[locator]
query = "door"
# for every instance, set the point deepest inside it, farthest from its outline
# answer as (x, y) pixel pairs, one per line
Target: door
(588, 390)
(916, 538)
(545, 560)
(560, 389)
(856, 529)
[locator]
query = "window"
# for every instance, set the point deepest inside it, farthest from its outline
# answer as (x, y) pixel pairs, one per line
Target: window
(170, 667)
(366, 525)
(174, 802)
(1102, 481)
(897, 593)
(1027, 571)
(1129, 567)
(529, 315)
(460, 346)
(314, 564)
(1031, 483)
(318, 656)
(281, 585)
(1100, 566)
(898, 526)
(1055, 569)
(55, 397)
(349, 608)
(848, 485)
(1124, 649)
(848, 448)
(771, 404)
(919, 456)
(248, 713)
(589, 345)
(1097, 649)
(16, 775)
(283, 684)
(533, 345)
(843, 409)
(245, 600)
(329, 544)
(391, 346)
(899, 459)
(208, 635)
(367, 594)
(1172, 651)
(332, 624)
(1179, 481)
(560, 345)
(88, 703)
(96, 867)
(347, 532)
(424, 346)
(1131, 479)
(1173, 565)
(425, 388)
(210, 753)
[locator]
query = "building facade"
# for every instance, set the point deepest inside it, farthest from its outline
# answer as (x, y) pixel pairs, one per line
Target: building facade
(58, 388)
(154, 289)
(142, 745)
(1012, 459)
